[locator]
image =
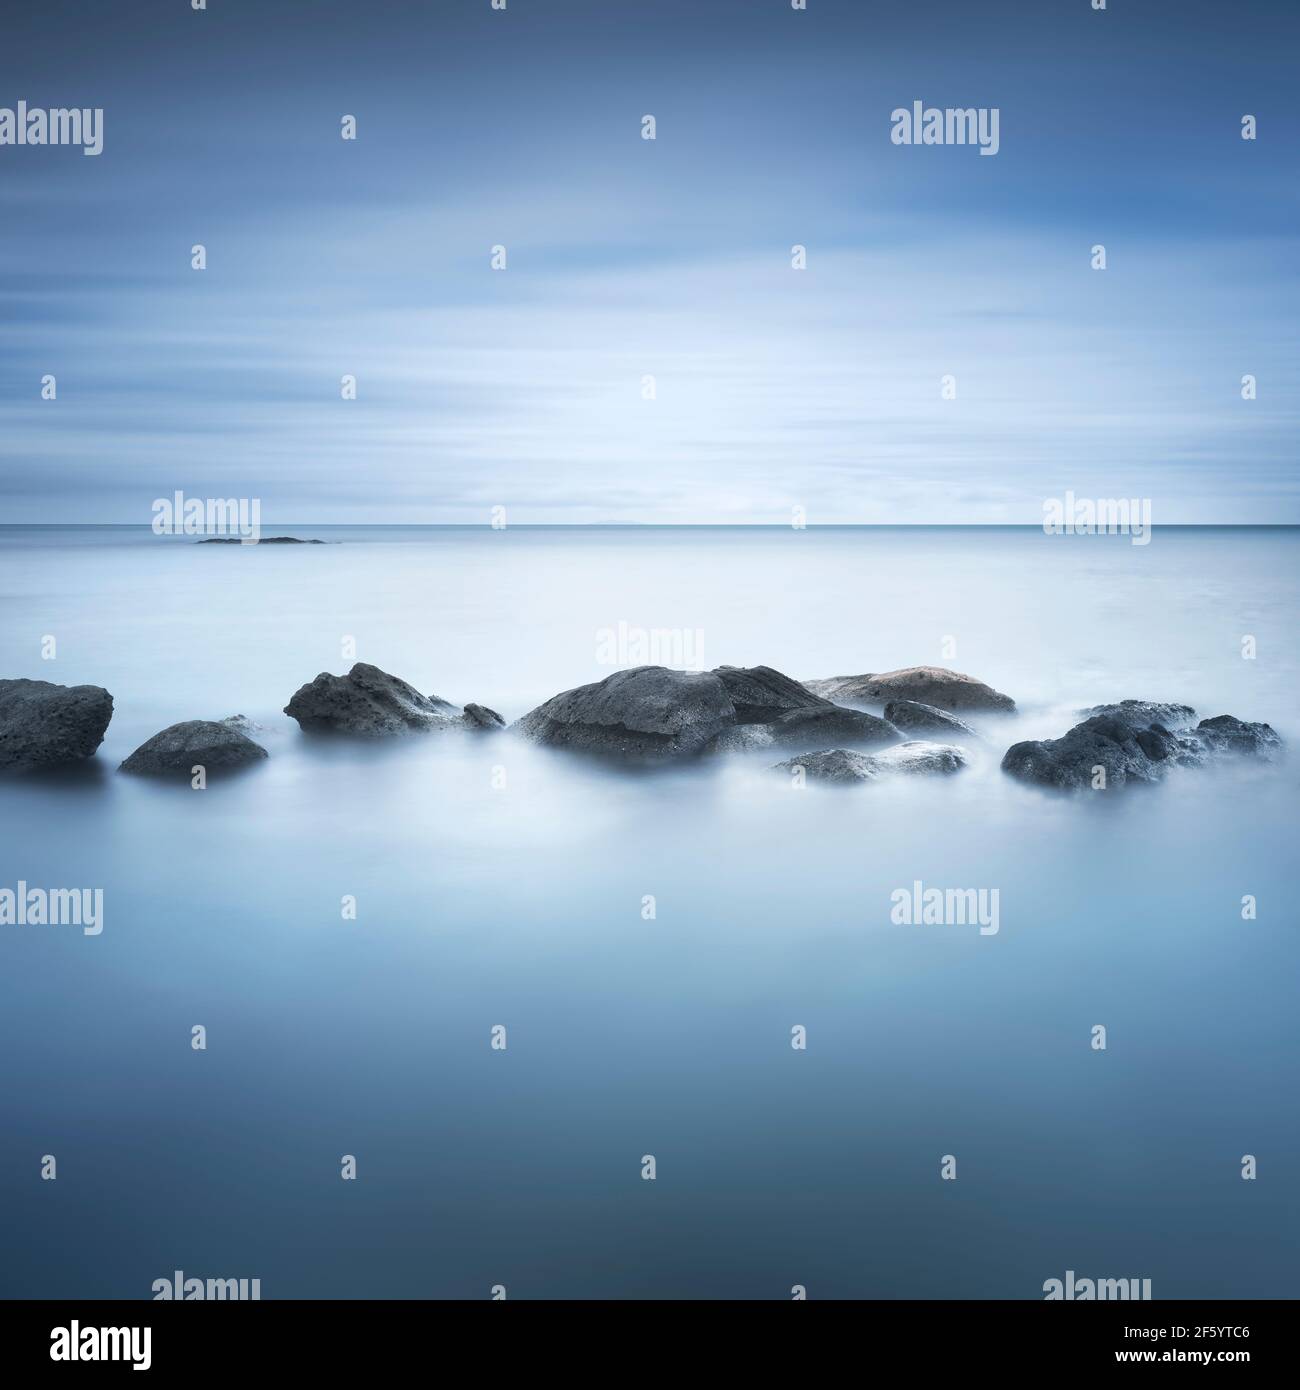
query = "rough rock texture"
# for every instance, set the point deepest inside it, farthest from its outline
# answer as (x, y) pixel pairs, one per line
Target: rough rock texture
(1224, 734)
(370, 703)
(1133, 754)
(760, 694)
(915, 718)
(645, 714)
(480, 717)
(822, 727)
(207, 743)
(931, 685)
(1141, 714)
(845, 766)
(44, 725)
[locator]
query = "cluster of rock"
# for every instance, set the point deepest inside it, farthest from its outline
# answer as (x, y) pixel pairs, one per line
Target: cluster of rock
(652, 715)
(1132, 742)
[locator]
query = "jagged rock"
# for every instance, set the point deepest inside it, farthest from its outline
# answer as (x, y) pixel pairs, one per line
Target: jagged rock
(915, 718)
(369, 703)
(1141, 714)
(759, 694)
(644, 714)
(483, 718)
(845, 766)
(206, 743)
(44, 725)
(1129, 753)
(263, 540)
(931, 685)
(825, 726)
(1224, 734)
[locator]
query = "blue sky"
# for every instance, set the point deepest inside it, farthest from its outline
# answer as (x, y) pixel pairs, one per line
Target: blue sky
(775, 388)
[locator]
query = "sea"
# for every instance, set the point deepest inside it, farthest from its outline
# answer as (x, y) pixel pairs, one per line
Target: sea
(573, 1031)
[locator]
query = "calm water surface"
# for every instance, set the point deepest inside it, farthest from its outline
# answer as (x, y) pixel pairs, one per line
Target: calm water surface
(521, 904)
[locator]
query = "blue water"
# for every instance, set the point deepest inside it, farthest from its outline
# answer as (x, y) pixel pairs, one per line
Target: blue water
(521, 905)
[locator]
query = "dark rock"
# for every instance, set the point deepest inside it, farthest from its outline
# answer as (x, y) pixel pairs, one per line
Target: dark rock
(369, 703)
(760, 694)
(845, 766)
(825, 726)
(483, 718)
(1224, 734)
(931, 685)
(1140, 714)
(1133, 754)
(645, 714)
(206, 743)
(914, 717)
(44, 725)
(265, 540)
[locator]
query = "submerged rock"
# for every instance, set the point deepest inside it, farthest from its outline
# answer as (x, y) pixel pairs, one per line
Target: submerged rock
(44, 725)
(1225, 734)
(1128, 752)
(206, 743)
(846, 766)
(914, 717)
(823, 727)
(644, 714)
(931, 685)
(1141, 714)
(369, 703)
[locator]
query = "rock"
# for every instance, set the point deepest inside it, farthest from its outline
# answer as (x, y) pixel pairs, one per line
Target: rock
(825, 726)
(369, 703)
(644, 714)
(1224, 734)
(1141, 714)
(207, 743)
(44, 725)
(1130, 753)
(914, 717)
(931, 685)
(480, 717)
(759, 694)
(264, 540)
(845, 766)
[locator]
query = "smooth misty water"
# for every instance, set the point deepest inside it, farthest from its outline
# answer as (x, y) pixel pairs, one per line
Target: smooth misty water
(481, 905)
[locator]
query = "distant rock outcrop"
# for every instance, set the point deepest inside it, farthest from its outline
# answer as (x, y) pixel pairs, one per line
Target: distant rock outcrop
(207, 743)
(930, 685)
(845, 766)
(44, 725)
(369, 703)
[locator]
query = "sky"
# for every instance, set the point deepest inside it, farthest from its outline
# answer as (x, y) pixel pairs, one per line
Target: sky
(626, 258)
